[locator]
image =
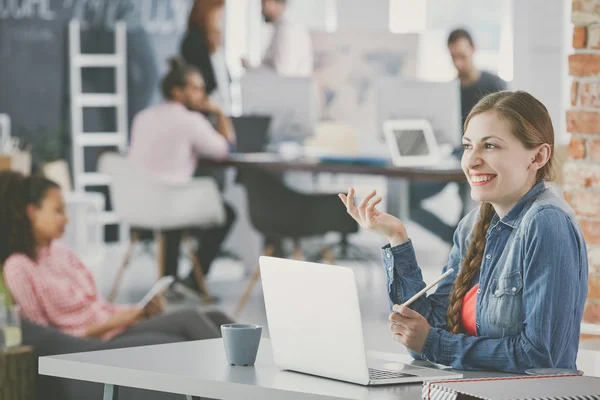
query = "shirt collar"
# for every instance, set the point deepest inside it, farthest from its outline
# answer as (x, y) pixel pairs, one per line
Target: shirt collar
(515, 215)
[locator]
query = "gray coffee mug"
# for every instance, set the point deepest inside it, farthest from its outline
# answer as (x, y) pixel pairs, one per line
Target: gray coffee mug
(241, 342)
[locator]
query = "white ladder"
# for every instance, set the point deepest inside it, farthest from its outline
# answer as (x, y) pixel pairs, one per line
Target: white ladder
(79, 100)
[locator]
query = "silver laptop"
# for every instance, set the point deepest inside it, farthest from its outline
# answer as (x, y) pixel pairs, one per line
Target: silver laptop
(315, 326)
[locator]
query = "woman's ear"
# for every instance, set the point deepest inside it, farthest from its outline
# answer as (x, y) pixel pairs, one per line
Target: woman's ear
(31, 211)
(542, 156)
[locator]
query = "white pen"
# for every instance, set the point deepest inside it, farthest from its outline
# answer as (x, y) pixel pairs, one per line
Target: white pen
(422, 292)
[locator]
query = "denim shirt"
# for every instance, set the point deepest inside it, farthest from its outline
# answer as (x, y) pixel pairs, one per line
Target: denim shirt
(532, 289)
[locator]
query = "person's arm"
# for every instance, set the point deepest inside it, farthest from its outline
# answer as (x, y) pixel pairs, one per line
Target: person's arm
(405, 279)
(121, 319)
(225, 127)
(206, 141)
(552, 297)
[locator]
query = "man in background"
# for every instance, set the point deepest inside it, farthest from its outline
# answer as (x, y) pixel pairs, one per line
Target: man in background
(168, 138)
(474, 85)
(290, 52)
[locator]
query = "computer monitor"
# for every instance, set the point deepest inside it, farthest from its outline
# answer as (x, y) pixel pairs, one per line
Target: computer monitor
(290, 102)
(252, 133)
(436, 102)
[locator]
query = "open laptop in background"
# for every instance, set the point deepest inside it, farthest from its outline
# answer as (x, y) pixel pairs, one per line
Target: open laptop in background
(315, 326)
(411, 142)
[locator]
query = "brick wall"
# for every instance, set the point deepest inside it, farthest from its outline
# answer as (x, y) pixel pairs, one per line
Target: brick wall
(582, 170)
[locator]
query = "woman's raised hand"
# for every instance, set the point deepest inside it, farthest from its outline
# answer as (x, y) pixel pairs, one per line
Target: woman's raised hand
(369, 217)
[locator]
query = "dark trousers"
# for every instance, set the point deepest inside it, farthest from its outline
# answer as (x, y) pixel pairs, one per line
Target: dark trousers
(188, 324)
(209, 244)
(420, 191)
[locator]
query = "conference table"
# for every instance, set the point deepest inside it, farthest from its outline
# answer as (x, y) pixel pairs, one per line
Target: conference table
(448, 170)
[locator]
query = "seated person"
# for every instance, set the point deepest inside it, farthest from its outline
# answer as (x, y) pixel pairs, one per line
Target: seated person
(474, 85)
(54, 288)
(167, 139)
(516, 297)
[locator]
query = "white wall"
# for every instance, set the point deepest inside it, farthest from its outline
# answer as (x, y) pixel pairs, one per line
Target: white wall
(541, 44)
(363, 15)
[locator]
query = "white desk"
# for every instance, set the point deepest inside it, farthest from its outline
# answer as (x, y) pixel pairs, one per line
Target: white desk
(200, 369)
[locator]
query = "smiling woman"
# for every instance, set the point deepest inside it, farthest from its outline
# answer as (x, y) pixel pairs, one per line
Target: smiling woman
(501, 309)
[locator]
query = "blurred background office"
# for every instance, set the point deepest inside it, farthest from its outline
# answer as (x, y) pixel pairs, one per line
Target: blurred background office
(296, 79)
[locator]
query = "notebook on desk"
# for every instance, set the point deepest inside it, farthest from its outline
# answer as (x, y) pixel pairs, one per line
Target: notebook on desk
(566, 387)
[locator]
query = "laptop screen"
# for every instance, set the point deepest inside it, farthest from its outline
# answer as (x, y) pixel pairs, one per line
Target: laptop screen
(411, 142)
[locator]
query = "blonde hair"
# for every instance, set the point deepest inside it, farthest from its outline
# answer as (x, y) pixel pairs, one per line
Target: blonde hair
(530, 122)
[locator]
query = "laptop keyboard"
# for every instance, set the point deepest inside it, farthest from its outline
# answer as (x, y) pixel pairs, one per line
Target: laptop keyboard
(377, 374)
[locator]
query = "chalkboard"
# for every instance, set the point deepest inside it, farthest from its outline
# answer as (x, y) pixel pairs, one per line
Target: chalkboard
(34, 78)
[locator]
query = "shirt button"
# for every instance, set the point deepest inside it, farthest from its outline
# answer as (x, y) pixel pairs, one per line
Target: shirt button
(487, 257)
(497, 292)
(478, 291)
(514, 289)
(477, 326)
(498, 229)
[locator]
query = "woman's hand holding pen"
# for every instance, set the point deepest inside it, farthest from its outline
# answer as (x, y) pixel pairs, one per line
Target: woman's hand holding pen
(409, 328)
(374, 220)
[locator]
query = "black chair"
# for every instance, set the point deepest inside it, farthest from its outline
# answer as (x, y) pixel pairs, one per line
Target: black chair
(49, 341)
(278, 212)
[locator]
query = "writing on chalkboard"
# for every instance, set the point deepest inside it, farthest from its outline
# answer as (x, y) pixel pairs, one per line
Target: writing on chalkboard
(154, 16)
(26, 9)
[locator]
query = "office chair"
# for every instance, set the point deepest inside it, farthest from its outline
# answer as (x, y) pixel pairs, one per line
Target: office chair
(280, 212)
(145, 202)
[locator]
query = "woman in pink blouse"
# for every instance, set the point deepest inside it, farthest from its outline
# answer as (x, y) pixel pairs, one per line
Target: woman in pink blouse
(52, 285)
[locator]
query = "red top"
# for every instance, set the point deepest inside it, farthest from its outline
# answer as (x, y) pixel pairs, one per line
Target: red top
(469, 311)
(58, 290)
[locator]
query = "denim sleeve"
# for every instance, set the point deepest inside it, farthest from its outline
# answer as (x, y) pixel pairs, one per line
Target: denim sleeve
(551, 289)
(404, 280)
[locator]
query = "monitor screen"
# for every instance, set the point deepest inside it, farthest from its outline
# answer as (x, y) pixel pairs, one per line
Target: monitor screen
(411, 142)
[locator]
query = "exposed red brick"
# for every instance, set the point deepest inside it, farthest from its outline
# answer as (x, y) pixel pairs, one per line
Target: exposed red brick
(594, 258)
(584, 64)
(593, 37)
(589, 94)
(577, 148)
(568, 196)
(583, 121)
(592, 312)
(585, 12)
(581, 176)
(574, 90)
(591, 233)
(595, 150)
(579, 37)
(586, 204)
(585, 336)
